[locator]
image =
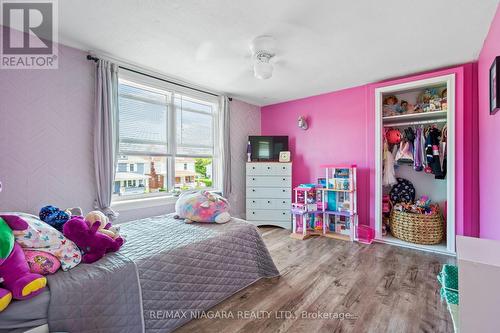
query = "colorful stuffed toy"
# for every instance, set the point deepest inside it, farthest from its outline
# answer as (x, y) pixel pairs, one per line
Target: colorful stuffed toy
(105, 226)
(202, 206)
(93, 244)
(17, 282)
(55, 217)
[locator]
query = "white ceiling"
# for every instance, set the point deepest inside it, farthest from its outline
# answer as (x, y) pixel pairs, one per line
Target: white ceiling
(322, 45)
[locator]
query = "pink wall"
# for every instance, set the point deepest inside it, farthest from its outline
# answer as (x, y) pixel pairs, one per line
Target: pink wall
(489, 152)
(342, 130)
(331, 138)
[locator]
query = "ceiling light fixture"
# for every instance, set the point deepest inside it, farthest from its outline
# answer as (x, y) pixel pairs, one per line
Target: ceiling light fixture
(263, 51)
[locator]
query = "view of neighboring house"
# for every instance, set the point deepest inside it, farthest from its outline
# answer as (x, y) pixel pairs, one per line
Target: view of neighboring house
(185, 173)
(137, 175)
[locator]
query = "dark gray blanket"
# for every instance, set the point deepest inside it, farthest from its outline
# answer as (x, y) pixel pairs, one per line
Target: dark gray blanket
(168, 271)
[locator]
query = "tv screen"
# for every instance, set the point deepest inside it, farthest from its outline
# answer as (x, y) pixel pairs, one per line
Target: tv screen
(267, 148)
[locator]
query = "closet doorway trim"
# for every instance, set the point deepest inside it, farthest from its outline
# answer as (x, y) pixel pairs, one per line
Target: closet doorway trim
(450, 177)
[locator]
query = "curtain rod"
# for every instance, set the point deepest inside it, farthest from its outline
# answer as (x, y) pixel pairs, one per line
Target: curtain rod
(95, 59)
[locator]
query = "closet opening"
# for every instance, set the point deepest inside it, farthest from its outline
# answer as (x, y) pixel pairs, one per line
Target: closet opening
(415, 164)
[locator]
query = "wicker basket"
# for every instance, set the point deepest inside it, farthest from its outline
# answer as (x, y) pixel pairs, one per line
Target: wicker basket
(417, 228)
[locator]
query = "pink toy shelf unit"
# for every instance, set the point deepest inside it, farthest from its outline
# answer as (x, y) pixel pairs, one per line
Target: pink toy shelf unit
(328, 208)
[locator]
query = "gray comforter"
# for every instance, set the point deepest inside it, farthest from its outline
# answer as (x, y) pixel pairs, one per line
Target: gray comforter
(164, 275)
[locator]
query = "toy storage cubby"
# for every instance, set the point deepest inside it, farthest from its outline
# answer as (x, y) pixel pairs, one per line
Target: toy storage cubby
(328, 208)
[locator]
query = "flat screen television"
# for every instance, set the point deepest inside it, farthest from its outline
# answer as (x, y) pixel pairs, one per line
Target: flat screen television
(267, 148)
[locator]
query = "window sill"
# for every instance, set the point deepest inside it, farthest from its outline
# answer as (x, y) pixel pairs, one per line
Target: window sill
(131, 204)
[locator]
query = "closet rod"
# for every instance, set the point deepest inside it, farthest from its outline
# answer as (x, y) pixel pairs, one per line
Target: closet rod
(421, 122)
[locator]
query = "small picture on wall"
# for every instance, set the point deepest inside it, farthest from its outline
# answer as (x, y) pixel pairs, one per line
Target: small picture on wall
(495, 86)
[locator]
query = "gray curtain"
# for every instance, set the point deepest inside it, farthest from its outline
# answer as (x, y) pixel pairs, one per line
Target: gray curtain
(105, 134)
(226, 148)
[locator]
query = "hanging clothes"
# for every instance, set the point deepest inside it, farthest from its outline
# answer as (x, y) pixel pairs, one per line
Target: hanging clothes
(432, 151)
(418, 154)
(389, 176)
(422, 147)
(405, 153)
(443, 150)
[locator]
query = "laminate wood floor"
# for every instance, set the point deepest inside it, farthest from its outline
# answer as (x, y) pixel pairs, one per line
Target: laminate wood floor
(383, 288)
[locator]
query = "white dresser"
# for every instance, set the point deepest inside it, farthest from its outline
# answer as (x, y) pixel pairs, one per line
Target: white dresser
(269, 193)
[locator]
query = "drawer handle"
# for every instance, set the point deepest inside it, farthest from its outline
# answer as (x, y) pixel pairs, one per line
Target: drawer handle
(284, 201)
(284, 178)
(284, 168)
(283, 190)
(253, 201)
(253, 212)
(268, 201)
(253, 178)
(268, 168)
(253, 168)
(284, 213)
(253, 190)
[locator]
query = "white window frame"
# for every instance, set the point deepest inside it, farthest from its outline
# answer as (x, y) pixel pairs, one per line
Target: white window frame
(171, 152)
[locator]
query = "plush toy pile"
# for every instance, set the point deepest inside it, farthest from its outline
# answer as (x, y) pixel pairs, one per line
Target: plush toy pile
(91, 239)
(421, 206)
(18, 282)
(31, 247)
(202, 206)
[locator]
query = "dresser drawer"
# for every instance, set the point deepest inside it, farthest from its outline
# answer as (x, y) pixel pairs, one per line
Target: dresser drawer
(269, 181)
(269, 203)
(269, 192)
(268, 215)
(269, 169)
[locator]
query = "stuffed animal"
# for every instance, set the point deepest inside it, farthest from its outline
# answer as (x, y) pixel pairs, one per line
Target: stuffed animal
(17, 281)
(93, 244)
(105, 226)
(55, 217)
(202, 206)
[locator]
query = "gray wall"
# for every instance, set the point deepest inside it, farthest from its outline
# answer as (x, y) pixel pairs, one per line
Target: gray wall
(46, 135)
(245, 121)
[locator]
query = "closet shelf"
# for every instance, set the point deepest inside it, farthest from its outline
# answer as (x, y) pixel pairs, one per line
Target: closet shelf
(415, 116)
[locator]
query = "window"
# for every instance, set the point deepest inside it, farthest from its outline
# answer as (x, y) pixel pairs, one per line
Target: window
(167, 138)
(122, 167)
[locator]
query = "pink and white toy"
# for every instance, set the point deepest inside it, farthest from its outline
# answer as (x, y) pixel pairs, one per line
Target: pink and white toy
(202, 206)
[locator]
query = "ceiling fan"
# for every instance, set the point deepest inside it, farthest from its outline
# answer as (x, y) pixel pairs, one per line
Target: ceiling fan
(263, 50)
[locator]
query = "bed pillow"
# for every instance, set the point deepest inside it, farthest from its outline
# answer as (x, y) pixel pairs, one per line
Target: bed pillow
(42, 237)
(41, 262)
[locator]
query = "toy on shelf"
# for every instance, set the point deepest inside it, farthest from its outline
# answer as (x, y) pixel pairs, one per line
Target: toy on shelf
(328, 208)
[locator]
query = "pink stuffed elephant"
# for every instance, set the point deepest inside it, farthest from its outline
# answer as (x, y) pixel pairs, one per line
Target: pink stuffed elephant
(93, 244)
(18, 282)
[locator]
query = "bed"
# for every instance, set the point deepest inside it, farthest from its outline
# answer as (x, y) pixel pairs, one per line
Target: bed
(166, 274)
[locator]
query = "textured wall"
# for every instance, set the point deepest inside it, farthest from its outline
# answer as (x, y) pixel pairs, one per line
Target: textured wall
(245, 121)
(46, 124)
(489, 128)
(46, 135)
